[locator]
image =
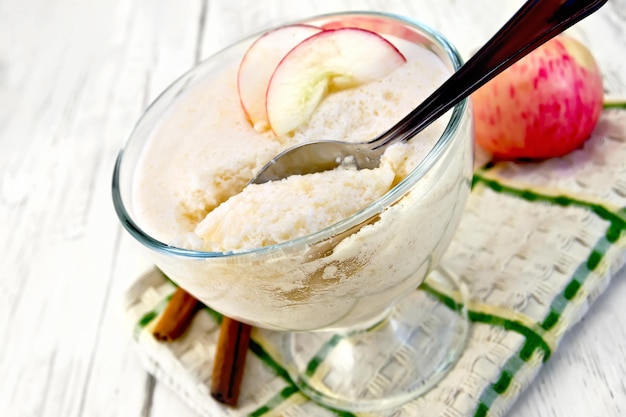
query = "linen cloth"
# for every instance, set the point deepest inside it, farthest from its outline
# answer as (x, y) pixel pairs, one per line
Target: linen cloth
(538, 243)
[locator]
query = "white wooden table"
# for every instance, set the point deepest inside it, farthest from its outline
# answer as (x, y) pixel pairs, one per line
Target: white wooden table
(74, 77)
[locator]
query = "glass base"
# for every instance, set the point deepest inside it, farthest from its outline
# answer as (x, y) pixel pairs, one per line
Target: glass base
(397, 359)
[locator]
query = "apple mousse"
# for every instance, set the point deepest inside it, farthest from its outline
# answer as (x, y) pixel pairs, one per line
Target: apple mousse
(221, 143)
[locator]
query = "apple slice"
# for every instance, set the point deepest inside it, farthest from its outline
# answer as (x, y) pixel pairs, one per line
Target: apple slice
(382, 26)
(258, 64)
(329, 61)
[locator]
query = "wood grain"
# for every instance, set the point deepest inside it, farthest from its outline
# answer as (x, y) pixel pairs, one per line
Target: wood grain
(74, 77)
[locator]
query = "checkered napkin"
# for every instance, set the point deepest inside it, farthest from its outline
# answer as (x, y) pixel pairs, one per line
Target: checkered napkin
(539, 242)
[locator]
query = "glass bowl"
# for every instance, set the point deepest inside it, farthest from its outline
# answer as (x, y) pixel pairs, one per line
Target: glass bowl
(350, 292)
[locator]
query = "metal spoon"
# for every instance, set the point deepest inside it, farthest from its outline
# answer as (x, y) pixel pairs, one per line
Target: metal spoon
(535, 23)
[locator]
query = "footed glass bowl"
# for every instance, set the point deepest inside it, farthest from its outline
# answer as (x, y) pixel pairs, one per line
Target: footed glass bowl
(359, 331)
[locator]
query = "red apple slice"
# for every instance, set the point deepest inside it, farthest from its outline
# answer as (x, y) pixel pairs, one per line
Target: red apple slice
(382, 26)
(258, 64)
(328, 61)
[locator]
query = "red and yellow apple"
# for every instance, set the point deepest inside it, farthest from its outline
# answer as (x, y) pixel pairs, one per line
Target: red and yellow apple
(544, 106)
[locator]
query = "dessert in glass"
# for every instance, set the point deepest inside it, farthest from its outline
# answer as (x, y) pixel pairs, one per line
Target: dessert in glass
(332, 260)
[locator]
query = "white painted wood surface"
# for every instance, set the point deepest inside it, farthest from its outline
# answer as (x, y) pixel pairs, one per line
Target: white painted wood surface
(74, 77)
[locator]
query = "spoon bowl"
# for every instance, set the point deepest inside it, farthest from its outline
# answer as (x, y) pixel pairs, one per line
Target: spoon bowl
(318, 156)
(536, 22)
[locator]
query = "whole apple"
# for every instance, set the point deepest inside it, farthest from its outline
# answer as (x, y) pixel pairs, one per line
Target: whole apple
(544, 106)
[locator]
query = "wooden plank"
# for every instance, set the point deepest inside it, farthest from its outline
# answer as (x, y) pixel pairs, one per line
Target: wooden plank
(61, 295)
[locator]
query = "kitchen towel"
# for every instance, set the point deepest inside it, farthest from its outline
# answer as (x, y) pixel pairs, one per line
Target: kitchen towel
(538, 243)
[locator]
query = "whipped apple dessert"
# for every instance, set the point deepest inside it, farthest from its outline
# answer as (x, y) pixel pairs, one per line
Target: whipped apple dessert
(326, 250)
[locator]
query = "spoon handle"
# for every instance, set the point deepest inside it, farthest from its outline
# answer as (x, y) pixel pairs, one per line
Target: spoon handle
(534, 24)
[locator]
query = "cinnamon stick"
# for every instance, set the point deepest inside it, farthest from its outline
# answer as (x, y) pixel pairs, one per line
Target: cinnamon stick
(176, 316)
(231, 349)
(230, 359)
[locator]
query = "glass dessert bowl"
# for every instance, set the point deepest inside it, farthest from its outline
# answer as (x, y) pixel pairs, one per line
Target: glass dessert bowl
(359, 333)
